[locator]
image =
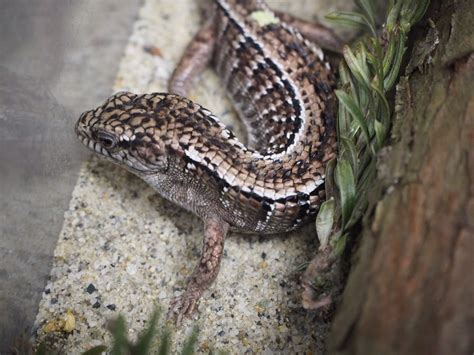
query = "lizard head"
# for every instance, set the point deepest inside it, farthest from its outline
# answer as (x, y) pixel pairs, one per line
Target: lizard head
(127, 131)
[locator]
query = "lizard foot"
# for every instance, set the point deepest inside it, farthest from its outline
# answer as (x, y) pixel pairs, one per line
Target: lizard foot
(204, 273)
(183, 306)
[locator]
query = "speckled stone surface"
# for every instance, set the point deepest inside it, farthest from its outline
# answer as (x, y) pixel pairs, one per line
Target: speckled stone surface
(123, 249)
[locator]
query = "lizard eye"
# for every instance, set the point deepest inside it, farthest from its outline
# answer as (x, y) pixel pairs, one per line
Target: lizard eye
(107, 140)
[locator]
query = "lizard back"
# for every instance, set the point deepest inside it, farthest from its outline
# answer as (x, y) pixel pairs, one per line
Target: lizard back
(283, 90)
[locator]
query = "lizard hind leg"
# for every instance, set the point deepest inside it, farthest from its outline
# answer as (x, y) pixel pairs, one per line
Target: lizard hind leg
(195, 59)
(205, 272)
(315, 32)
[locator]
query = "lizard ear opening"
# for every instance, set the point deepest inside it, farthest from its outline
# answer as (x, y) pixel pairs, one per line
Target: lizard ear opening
(154, 155)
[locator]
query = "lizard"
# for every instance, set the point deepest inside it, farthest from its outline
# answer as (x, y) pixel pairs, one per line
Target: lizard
(281, 86)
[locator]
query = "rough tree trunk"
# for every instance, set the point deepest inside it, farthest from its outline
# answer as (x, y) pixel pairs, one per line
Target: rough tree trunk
(411, 287)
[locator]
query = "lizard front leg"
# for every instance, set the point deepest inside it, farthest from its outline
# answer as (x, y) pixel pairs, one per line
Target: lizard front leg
(196, 57)
(205, 272)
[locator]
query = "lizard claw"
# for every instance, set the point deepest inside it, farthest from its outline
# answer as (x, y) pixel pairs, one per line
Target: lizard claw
(182, 306)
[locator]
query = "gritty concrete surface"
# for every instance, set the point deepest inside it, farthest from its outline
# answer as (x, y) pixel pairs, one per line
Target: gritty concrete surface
(124, 249)
(55, 57)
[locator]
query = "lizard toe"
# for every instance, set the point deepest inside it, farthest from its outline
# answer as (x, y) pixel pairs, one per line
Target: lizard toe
(182, 307)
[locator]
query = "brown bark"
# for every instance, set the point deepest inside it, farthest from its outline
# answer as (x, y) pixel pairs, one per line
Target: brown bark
(411, 286)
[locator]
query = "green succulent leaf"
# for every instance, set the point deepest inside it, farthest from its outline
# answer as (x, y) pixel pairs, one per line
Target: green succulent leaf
(340, 244)
(350, 105)
(349, 19)
(421, 8)
(356, 67)
(389, 57)
(325, 221)
(379, 134)
(329, 181)
(345, 181)
(397, 62)
(349, 152)
(368, 9)
(412, 11)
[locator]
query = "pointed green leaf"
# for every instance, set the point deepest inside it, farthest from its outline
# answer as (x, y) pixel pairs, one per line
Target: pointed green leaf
(350, 19)
(420, 11)
(349, 152)
(355, 111)
(329, 181)
(364, 185)
(395, 68)
(325, 221)
(390, 4)
(119, 333)
(393, 14)
(347, 188)
(361, 56)
(411, 12)
(340, 244)
(190, 343)
(144, 341)
(355, 66)
(389, 57)
(383, 100)
(368, 8)
(379, 134)
(165, 342)
(343, 120)
(343, 73)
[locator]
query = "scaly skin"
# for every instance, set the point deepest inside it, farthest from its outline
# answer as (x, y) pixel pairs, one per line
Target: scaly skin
(283, 90)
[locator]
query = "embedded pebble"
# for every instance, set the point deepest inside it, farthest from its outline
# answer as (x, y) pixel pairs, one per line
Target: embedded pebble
(90, 289)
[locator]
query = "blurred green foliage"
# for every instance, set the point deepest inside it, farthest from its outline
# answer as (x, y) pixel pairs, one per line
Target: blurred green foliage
(367, 74)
